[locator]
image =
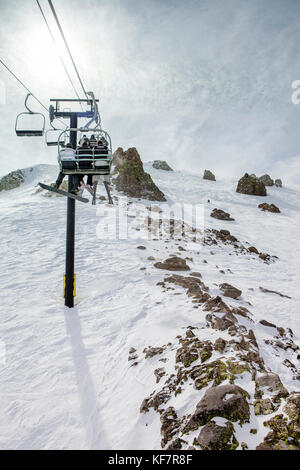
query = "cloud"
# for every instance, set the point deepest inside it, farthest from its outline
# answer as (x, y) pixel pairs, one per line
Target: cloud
(199, 83)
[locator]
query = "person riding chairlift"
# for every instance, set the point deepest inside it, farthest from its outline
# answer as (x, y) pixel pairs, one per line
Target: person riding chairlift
(68, 154)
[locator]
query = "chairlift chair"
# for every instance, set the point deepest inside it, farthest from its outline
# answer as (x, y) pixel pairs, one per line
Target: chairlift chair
(28, 117)
(88, 161)
(52, 137)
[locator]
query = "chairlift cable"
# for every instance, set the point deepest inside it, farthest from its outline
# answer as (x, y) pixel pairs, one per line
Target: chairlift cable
(60, 56)
(66, 44)
(26, 88)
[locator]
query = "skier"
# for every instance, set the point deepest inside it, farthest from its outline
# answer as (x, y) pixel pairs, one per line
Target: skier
(68, 160)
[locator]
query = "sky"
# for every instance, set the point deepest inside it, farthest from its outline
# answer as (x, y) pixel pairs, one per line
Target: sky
(200, 83)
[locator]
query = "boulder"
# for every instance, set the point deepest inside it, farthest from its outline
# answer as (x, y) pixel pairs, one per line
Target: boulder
(226, 401)
(221, 215)
(267, 180)
(214, 437)
(278, 183)
(12, 180)
(161, 165)
(269, 208)
(230, 291)
(271, 383)
(130, 177)
(208, 175)
(173, 264)
(252, 186)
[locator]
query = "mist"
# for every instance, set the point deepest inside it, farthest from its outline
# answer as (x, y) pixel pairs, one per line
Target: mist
(201, 84)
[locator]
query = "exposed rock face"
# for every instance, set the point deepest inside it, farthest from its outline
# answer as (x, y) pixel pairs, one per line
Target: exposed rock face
(208, 175)
(173, 264)
(12, 180)
(214, 437)
(226, 401)
(230, 291)
(278, 183)
(272, 384)
(161, 165)
(221, 215)
(252, 186)
(267, 180)
(269, 207)
(130, 177)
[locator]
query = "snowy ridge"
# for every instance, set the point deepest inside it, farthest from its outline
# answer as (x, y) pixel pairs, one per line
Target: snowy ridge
(66, 381)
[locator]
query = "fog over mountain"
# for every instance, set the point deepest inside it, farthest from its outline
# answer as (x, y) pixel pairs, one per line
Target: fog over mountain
(203, 83)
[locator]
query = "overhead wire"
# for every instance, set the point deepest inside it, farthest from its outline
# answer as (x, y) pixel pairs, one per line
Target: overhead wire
(56, 46)
(67, 46)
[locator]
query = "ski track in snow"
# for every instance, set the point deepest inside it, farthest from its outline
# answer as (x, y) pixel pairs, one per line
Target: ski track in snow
(65, 378)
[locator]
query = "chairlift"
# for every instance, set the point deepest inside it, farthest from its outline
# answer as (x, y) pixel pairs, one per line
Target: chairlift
(29, 123)
(85, 160)
(52, 137)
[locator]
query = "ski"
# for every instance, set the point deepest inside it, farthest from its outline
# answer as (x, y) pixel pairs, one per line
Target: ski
(108, 192)
(63, 193)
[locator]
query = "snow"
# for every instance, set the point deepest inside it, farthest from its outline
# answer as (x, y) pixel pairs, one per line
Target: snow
(65, 379)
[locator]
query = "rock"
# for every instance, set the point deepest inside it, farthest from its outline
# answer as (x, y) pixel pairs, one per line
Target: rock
(252, 249)
(221, 215)
(130, 177)
(208, 175)
(267, 291)
(12, 180)
(278, 183)
(272, 383)
(230, 291)
(220, 345)
(141, 247)
(173, 264)
(264, 407)
(269, 208)
(226, 401)
(152, 351)
(252, 186)
(267, 180)
(169, 425)
(214, 437)
(159, 373)
(282, 436)
(161, 165)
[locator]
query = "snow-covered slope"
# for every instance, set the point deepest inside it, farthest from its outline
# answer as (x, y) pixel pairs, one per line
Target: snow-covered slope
(65, 378)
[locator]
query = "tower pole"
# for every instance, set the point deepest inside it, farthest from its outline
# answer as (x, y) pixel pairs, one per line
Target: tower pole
(70, 235)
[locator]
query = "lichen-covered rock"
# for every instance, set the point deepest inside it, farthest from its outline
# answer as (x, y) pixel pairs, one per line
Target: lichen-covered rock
(282, 435)
(12, 180)
(169, 425)
(267, 180)
(161, 165)
(230, 291)
(214, 437)
(269, 207)
(271, 383)
(208, 175)
(278, 183)
(130, 177)
(226, 401)
(221, 215)
(252, 186)
(264, 406)
(173, 264)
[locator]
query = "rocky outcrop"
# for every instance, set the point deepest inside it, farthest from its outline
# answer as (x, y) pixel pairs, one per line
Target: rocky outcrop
(269, 208)
(173, 264)
(278, 183)
(221, 215)
(12, 180)
(230, 291)
(208, 175)
(214, 437)
(226, 401)
(130, 177)
(161, 165)
(267, 180)
(252, 186)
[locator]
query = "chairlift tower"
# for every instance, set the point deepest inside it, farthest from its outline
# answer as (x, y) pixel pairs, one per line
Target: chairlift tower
(70, 233)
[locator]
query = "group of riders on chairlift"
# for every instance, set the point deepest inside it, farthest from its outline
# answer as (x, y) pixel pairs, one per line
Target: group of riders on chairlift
(85, 149)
